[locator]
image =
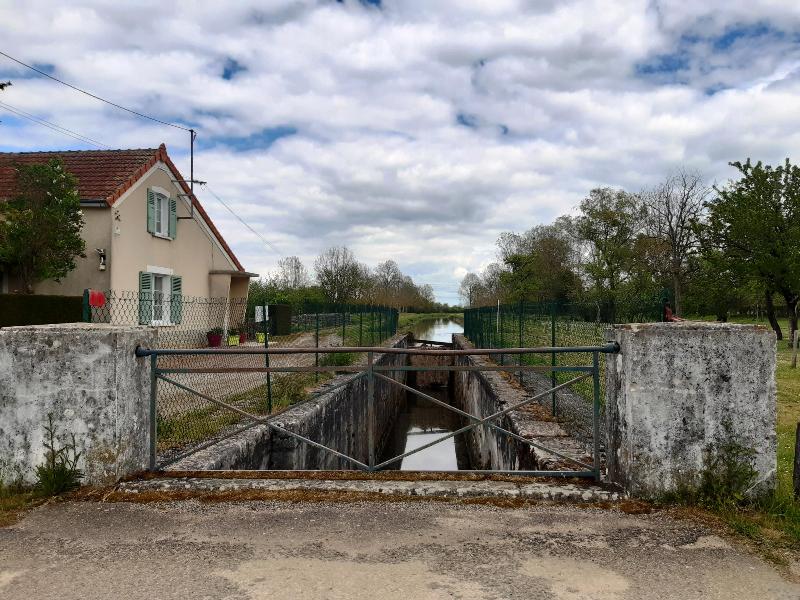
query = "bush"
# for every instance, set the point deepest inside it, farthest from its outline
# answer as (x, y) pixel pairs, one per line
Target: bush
(60, 472)
(289, 389)
(341, 359)
(26, 309)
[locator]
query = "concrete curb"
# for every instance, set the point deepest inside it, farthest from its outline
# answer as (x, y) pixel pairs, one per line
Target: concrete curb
(429, 489)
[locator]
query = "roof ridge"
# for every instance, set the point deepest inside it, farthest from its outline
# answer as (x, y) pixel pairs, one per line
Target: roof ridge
(83, 151)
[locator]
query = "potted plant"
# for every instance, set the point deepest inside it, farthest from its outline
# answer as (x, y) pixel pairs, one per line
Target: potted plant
(242, 335)
(214, 336)
(233, 337)
(260, 335)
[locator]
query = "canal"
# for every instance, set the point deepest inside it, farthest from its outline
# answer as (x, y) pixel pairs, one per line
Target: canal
(422, 421)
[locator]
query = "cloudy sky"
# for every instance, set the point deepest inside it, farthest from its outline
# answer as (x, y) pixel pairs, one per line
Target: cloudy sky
(416, 130)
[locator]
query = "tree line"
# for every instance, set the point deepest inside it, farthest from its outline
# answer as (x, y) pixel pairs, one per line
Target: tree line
(714, 250)
(339, 278)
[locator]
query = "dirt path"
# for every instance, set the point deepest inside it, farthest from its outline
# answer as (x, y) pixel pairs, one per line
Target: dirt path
(370, 550)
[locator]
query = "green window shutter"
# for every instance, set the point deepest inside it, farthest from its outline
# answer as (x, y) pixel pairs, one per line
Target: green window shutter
(145, 298)
(173, 218)
(176, 300)
(151, 211)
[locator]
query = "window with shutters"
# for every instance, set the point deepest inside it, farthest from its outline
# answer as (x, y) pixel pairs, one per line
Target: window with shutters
(162, 213)
(160, 299)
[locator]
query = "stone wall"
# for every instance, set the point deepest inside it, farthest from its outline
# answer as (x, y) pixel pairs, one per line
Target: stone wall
(337, 419)
(87, 377)
(677, 390)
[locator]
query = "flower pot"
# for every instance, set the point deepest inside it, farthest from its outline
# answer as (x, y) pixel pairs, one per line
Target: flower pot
(233, 340)
(260, 338)
(242, 338)
(214, 340)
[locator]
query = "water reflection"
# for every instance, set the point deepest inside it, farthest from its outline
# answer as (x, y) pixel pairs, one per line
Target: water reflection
(422, 422)
(437, 330)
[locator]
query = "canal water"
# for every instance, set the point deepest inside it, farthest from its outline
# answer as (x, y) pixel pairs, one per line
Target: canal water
(422, 421)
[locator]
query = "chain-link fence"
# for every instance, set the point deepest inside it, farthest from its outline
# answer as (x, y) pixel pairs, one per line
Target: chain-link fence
(538, 324)
(184, 417)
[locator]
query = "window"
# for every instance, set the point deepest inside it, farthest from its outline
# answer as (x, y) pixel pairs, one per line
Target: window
(162, 217)
(160, 297)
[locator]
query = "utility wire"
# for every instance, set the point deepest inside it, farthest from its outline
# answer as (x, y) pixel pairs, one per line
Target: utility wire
(54, 127)
(243, 222)
(91, 95)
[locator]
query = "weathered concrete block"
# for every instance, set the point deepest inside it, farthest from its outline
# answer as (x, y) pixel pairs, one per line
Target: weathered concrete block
(87, 377)
(676, 390)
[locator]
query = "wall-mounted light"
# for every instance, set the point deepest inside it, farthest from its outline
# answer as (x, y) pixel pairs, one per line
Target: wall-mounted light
(101, 253)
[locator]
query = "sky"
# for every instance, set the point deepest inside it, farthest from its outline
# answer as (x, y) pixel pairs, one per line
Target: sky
(414, 130)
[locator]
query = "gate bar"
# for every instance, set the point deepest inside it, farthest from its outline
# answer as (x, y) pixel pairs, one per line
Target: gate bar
(610, 348)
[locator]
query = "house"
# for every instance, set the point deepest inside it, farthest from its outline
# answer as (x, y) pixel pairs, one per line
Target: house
(148, 238)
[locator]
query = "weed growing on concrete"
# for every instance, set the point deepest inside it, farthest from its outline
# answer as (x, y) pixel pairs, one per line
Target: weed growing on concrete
(727, 476)
(60, 472)
(338, 360)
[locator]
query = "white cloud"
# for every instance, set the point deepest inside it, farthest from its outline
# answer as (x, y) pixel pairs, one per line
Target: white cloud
(552, 98)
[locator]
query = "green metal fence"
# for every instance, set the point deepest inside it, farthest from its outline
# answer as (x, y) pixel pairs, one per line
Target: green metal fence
(545, 324)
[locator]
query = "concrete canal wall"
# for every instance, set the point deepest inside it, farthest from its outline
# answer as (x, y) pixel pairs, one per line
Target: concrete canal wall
(482, 393)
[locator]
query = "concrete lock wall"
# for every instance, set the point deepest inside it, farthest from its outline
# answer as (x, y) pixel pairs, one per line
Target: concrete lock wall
(87, 377)
(677, 391)
(337, 419)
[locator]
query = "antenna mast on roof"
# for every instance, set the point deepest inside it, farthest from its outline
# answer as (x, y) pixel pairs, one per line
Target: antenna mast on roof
(192, 181)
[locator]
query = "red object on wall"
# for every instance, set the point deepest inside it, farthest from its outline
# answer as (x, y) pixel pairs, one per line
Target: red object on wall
(97, 299)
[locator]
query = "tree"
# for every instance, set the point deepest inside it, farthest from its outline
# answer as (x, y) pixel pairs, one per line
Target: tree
(754, 226)
(673, 208)
(469, 289)
(609, 224)
(40, 226)
(540, 263)
(292, 273)
(340, 275)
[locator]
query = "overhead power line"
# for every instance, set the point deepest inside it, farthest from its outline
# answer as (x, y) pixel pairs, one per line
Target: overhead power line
(91, 95)
(58, 128)
(243, 222)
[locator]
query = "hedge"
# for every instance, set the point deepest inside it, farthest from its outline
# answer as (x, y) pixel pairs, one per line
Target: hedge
(24, 309)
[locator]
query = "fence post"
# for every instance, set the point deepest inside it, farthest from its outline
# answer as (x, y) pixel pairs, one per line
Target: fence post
(596, 414)
(794, 348)
(266, 358)
(500, 328)
(360, 324)
(153, 392)
(796, 473)
(521, 342)
(553, 378)
(380, 325)
(87, 313)
(316, 344)
(342, 309)
(370, 412)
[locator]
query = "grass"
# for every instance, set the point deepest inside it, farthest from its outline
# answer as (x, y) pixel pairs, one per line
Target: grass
(196, 426)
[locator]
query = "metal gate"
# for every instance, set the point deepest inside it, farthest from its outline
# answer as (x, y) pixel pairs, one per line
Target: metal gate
(244, 418)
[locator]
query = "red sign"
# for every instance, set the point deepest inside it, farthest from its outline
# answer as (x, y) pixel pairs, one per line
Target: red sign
(97, 299)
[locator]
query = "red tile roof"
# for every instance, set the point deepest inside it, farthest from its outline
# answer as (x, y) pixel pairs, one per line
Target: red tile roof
(104, 175)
